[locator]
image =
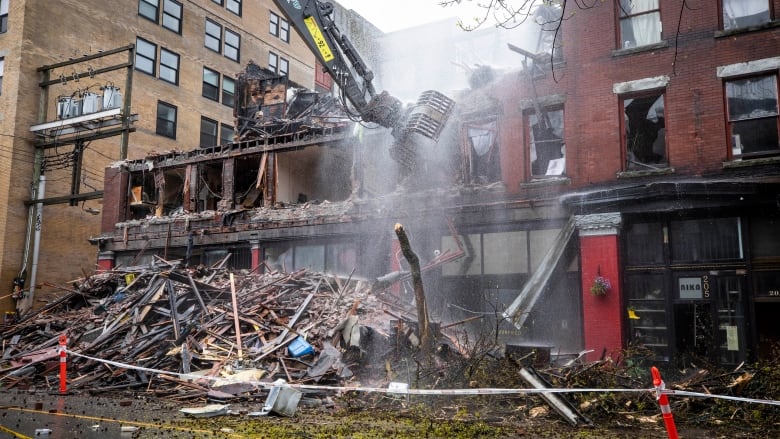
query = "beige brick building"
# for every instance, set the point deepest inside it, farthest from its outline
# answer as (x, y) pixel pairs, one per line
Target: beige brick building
(187, 55)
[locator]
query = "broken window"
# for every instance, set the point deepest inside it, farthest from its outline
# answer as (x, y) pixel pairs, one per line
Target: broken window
(745, 13)
(482, 154)
(753, 116)
(640, 23)
(166, 120)
(208, 132)
(547, 151)
(548, 17)
(645, 131)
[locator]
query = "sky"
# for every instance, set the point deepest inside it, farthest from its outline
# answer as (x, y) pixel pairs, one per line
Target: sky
(393, 15)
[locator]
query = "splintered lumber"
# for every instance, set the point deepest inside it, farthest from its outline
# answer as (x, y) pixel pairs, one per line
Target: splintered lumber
(205, 320)
(235, 317)
(419, 293)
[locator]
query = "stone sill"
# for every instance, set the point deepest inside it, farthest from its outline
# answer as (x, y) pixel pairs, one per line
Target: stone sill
(744, 163)
(647, 48)
(747, 30)
(647, 173)
(544, 182)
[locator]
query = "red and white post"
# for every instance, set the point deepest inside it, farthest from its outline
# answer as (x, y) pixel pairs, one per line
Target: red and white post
(63, 363)
(663, 401)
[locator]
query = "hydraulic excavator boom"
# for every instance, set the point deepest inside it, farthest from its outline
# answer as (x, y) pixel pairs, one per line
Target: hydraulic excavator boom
(312, 19)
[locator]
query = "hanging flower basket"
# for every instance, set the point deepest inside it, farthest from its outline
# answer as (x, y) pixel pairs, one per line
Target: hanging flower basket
(601, 286)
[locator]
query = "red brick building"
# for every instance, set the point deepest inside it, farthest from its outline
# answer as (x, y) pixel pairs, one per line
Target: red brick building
(642, 153)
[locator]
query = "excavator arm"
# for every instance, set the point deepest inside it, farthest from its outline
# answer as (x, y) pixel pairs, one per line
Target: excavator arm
(312, 21)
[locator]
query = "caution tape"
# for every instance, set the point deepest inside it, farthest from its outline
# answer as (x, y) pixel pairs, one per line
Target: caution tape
(434, 392)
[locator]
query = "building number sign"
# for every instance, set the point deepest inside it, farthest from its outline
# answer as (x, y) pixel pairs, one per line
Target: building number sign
(694, 287)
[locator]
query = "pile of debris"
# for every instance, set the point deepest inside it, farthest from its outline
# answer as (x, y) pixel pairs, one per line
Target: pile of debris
(126, 325)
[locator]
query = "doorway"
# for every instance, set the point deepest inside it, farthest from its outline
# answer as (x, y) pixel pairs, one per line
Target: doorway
(709, 318)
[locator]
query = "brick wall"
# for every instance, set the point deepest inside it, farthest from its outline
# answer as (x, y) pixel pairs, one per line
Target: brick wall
(602, 315)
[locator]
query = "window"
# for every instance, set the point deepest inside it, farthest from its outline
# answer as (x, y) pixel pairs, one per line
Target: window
(279, 27)
(225, 134)
(232, 45)
(2, 73)
(284, 66)
(213, 36)
(3, 16)
(234, 6)
(146, 8)
(745, 13)
(547, 150)
(166, 120)
(228, 91)
(753, 116)
(692, 240)
(278, 64)
(145, 56)
(210, 84)
(644, 131)
(219, 2)
(208, 132)
(172, 15)
(482, 153)
(640, 23)
(169, 66)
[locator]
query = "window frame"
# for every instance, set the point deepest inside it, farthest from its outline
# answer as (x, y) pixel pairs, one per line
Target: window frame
(3, 16)
(213, 88)
(731, 139)
(211, 37)
(228, 97)
(724, 21)
(203, 121)
(643, 165)
(229, 48)
(230, 3)
(622, 42)
(175, 69)
(178, 19)
(273, 66)
(171, 124)
(279, 27)
(532, 142)
(222, 139)
(138, 54)
(156, 7)
(2, 73)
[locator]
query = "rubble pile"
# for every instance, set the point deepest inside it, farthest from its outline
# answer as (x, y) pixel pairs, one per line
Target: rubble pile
(300, 327)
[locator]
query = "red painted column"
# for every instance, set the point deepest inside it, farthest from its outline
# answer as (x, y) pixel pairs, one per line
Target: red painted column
(600, 256)
(106, 261)
(257, 255)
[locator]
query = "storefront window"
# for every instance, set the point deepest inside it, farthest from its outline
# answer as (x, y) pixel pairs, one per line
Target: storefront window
(706, 240)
